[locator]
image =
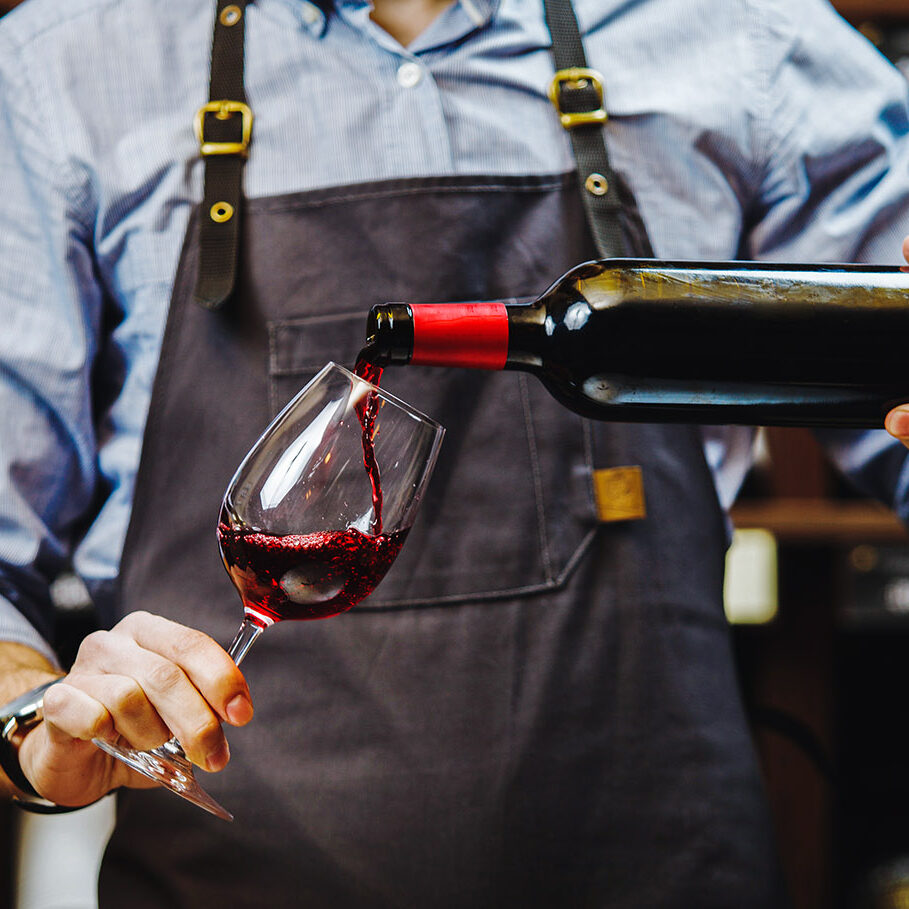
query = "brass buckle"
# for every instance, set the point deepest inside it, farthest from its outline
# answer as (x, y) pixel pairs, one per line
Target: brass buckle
(224, 110)
(574, 78)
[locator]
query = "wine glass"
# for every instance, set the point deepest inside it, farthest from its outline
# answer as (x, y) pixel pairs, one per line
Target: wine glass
(311, 521)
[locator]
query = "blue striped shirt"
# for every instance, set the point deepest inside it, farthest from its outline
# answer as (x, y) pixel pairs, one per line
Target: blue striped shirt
(746, 128)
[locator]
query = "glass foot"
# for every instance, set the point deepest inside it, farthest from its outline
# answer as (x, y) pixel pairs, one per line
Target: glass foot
(169, 767)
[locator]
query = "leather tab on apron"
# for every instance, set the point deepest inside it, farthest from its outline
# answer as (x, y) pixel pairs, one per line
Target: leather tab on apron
(619, 494)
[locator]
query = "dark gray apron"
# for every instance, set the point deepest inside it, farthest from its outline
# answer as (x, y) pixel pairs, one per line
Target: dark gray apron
(533, 709)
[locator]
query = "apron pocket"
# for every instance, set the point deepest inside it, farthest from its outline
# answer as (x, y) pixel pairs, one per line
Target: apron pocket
(509, 510)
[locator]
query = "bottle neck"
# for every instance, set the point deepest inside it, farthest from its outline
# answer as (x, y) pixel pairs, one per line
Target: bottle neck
(468, 335)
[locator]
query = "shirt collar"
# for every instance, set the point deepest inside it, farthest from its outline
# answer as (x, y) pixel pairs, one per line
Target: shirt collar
(479, 11)
(314, 13)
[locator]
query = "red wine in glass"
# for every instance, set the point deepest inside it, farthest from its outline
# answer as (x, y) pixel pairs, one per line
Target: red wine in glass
(304, 575)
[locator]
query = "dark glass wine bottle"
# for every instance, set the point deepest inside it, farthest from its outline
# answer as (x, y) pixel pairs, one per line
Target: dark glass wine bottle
(701, 342)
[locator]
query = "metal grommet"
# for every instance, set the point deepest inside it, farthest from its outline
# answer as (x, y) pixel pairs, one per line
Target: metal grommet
(221, 212)
(230, 15)
(596, 185)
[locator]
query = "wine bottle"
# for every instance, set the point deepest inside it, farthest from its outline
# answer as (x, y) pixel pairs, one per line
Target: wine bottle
(700, 342)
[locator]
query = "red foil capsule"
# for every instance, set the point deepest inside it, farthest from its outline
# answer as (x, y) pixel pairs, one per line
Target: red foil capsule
(472, 335)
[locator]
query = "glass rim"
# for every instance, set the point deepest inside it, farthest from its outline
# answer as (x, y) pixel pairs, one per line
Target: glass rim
(383, 393)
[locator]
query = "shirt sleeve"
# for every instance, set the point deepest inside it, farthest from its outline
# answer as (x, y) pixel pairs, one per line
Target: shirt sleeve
(50, 305)
(834, 122)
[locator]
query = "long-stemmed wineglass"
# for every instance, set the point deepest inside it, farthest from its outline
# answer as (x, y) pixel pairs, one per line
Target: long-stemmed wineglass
(311, 522)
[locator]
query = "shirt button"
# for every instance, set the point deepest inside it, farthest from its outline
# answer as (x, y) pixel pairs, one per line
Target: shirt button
(409, 74)
(310, 14)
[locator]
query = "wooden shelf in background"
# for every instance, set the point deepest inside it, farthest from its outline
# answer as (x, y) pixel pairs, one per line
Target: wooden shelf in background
(821, 520)
(873, 9)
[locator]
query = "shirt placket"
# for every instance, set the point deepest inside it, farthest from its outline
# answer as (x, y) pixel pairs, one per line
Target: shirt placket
(422, 143)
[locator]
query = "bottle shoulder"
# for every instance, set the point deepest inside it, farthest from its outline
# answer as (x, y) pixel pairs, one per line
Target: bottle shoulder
(608, 283)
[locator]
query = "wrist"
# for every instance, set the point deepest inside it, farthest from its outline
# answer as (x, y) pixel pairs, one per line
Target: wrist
(18, 718)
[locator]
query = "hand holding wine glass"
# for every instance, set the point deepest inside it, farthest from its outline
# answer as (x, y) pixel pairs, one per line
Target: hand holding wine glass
(309, 525)
(144, 680)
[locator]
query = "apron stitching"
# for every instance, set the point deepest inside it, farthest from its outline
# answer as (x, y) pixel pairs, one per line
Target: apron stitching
(589, 458)
(537, 479)
(489, 596)
(272, 369)
(576, 557)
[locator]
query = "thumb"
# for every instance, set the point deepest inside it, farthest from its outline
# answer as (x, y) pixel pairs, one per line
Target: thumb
(897, 423)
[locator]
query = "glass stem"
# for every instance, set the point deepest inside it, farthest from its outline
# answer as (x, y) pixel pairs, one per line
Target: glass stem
(246, 634)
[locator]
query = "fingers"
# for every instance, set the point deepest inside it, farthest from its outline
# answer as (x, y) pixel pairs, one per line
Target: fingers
(906, 249)
(204, 662)
(72, 713)
(897, 423)
(106, 706)
(147, 679)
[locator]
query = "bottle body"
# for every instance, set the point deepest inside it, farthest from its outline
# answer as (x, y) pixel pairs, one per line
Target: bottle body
(650, 341)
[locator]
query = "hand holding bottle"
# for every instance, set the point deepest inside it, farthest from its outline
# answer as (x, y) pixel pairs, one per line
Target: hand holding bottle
(897, 422)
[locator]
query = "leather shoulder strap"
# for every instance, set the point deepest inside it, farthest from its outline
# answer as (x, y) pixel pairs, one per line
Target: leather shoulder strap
(578, 94)
(224, 130)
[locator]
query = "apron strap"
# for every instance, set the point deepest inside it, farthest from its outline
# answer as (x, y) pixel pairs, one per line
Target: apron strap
(578, 95)
(223, 128)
